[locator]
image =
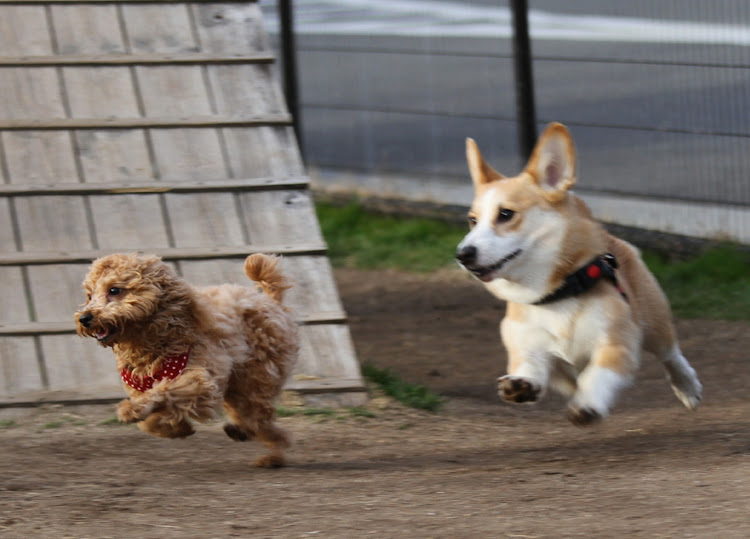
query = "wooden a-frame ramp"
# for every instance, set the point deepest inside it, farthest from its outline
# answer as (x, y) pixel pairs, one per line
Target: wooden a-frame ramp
(156, 127)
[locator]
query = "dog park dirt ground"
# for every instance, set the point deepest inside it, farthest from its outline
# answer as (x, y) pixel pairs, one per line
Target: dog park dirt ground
(478, 468)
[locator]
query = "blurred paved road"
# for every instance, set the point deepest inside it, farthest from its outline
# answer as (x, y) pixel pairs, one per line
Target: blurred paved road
(657, 93)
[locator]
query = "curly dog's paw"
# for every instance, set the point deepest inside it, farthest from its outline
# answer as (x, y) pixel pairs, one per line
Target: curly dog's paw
(269, 461)
(517, 389)
(127, 412)
(236, 433)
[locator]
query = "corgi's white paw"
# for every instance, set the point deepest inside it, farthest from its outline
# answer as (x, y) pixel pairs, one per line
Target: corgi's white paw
(518, 389)
(689, 396)
(583, 416)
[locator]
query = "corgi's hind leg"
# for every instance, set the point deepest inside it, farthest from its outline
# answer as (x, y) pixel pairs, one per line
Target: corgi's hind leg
(682, 377)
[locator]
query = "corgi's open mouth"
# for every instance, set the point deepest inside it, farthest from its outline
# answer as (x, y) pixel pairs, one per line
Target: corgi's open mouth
(484, 273)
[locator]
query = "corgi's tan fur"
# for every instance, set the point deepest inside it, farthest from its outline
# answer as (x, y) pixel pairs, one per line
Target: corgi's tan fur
(528, 233)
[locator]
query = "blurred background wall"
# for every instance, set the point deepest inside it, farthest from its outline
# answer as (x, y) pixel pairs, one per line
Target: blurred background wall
(656, 94)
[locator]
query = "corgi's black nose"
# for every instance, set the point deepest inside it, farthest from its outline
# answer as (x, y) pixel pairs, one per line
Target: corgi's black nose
(466, 255)
(85, 319)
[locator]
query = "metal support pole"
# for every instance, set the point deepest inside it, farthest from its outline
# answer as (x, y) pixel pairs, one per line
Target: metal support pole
(289, 66)
(525, 107)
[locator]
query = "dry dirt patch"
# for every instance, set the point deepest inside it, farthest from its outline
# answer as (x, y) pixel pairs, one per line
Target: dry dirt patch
(477, 469)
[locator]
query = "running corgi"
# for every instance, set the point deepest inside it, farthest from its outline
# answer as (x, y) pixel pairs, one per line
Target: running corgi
(581, 304)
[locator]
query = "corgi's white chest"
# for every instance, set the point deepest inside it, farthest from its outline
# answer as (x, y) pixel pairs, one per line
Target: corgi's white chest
(564, 330)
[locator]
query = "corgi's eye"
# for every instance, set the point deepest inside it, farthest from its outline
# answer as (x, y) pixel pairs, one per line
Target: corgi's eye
(505, 215)
(472, 221)
(114, 291)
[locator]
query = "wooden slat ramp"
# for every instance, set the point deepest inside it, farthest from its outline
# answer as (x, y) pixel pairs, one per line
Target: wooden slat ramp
(155, 127)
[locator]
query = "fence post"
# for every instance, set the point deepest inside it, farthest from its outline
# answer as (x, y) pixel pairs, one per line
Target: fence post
(525, 107)
(289, 67)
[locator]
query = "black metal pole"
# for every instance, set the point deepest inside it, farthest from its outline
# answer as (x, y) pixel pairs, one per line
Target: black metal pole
(525, 107)
(289, 66)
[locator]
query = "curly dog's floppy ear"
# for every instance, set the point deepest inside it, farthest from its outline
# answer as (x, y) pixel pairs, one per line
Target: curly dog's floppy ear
(151, 283)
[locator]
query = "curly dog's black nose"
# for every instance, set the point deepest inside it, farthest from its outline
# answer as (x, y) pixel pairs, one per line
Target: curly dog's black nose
(467, 254)
(85, 319)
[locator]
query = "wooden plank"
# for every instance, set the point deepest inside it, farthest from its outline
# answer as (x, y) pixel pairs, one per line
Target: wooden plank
(29, 94)
(245, 89)
(19, 369)
(23, 31)
(188, 154)
(65, 59)
(313, 290)
(30, 329)
(52, 223)
(113, 156)
(327, 351)
(263, 213)
(58, 302)
(14, 308)
(118, 222)
(76, 363)
(216, 121)
(84, 2)
(84, 29)
(38, 157)
(73, 256)
(173, 91)
(127, 223)
(159, 28)
(100, 92)
(205, 220)
(230, 28)
(7, 241)
(263, 151)
(146, 187)
(68, 327)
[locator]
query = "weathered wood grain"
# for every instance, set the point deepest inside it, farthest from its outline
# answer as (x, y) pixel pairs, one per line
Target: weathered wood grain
(156, 127)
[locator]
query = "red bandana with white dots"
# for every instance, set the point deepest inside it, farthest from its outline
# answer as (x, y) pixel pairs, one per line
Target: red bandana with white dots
(171, 367)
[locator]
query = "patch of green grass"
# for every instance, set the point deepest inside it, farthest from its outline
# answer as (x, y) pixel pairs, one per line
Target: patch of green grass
(53, 425)
(715, 284)
(360, 239)
(7, 423)
(326, 412)
(416, 396)
(289, 412)
(110, 421)
(361, 411)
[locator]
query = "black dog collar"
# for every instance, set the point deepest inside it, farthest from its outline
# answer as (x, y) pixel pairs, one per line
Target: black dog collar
(583, 279)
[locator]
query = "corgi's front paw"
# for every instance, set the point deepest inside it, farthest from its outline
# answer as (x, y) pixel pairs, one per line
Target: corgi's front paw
(517, 389)
(583, 416)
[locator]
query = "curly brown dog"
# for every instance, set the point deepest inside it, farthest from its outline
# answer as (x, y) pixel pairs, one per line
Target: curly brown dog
(184, 351)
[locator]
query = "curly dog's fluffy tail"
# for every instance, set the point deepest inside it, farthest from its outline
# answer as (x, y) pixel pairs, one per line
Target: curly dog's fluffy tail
(262, 269)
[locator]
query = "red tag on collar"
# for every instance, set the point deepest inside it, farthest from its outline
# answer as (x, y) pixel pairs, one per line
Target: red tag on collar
(171, 367)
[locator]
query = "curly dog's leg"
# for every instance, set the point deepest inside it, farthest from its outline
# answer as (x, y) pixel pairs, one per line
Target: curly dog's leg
(164, 424)
(166, 409)
(249, 420)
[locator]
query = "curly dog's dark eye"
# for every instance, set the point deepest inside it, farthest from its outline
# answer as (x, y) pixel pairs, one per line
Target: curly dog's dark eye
(114, 291)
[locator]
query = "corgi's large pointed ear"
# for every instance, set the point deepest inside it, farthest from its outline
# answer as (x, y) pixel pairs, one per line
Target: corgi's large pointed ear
(480, 171)
(553, 162)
